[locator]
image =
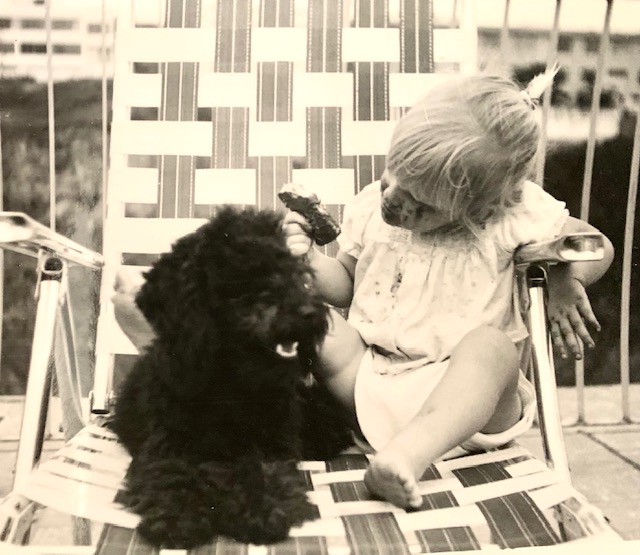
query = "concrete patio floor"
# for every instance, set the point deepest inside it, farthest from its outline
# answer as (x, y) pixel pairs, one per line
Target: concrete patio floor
(604, 460)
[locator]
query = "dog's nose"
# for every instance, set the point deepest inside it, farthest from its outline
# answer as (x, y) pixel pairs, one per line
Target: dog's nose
(288, 349)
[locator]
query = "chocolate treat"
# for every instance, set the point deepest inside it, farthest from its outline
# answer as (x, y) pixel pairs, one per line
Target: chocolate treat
(295, 197)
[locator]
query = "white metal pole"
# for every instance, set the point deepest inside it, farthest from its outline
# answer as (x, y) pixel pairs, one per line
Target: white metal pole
(544, 377)
(1, 250)
(51, 119)
(627, 262)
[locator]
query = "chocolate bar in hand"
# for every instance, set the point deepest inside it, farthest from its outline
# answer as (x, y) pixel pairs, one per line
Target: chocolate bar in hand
(295, 197)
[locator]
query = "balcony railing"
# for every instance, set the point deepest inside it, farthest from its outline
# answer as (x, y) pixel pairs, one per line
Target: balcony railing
(586, 48)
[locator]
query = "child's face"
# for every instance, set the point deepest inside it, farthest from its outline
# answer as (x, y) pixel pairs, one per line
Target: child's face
(401, 209)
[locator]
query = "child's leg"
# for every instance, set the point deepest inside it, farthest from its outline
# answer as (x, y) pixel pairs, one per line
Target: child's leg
(340, 356)
(478, 392)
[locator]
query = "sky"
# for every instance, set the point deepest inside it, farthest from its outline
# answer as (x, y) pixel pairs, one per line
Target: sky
(575, 15)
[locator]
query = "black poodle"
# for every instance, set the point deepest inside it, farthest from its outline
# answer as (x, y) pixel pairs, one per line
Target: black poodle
(219, 408)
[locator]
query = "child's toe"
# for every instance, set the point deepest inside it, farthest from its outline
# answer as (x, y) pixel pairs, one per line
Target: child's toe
(392, 484)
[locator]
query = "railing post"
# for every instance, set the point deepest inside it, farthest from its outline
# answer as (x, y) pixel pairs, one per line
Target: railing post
(546, 97)
(588, 173)
(627, 262)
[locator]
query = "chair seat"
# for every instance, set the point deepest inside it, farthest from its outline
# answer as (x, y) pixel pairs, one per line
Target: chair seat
(499, 499)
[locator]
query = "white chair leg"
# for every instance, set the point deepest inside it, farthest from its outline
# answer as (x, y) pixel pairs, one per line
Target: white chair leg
(544, 375)
(39, 381)
(66, 364)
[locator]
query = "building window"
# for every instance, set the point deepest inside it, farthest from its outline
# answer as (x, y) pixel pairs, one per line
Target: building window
(63, 24)
(97, 28)
(32, 24)
(624, 43)
(146, 67)
(618, 72)
(565, 42)
(588, 75)
(490, 38)
(33, 48)
(7, 47)
(592, 43)
(66, 49)
(525, 40)
(5, 23)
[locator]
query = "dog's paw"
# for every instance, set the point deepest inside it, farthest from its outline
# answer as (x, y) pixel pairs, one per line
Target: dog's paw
(273, 523)
(174, 503)
(176, 531)
(268, 521)
(267, 500)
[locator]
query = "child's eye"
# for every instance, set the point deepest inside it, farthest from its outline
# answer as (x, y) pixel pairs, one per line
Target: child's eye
(423, 205)
(414, 198)
(424, 209)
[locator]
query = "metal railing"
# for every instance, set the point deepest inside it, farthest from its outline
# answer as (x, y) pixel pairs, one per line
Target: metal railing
(551, 36)
(601, 64)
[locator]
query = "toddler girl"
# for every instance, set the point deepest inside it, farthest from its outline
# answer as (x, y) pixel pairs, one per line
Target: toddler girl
(428, 358)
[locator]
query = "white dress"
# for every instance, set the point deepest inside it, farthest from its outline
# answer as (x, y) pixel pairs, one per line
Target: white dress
(417, 294)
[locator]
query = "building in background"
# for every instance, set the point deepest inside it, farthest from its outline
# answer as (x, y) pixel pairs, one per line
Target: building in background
(580, 31)
(82, 37)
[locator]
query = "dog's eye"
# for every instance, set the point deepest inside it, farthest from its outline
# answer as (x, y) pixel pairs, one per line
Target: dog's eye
(307, 280)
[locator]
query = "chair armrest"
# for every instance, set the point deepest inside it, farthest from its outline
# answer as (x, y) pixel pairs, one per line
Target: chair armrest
(572, 247)
(20, 233)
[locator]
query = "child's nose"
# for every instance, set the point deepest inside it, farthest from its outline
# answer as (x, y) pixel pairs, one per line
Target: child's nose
(391, 196)
(388, 190)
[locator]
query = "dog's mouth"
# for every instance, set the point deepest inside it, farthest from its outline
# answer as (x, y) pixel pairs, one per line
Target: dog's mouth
(287, 349)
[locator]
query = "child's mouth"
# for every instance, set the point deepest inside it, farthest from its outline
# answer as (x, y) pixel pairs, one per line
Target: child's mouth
(389, 216)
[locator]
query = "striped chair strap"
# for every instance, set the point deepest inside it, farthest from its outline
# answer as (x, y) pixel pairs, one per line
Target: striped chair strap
(500, 499)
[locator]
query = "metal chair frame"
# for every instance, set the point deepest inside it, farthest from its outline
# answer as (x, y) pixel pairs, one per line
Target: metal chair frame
(56, 253)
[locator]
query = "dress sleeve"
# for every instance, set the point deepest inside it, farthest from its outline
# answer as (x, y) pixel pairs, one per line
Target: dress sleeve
(356, 217)
(537, 217)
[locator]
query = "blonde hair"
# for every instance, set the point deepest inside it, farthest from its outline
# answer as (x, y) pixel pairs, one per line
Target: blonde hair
(467, 147)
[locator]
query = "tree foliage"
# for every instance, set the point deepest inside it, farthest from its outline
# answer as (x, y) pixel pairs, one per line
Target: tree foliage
(79, 216)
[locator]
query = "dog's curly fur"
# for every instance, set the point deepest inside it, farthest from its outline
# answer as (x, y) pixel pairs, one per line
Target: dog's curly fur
(214, 418)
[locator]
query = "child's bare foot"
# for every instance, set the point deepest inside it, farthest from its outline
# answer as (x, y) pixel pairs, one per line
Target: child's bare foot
(391, 478)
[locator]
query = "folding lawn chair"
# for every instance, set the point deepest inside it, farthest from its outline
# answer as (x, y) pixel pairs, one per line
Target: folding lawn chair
(248, 95)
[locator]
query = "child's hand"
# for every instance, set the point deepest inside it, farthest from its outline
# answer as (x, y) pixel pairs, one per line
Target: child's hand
(570, 313)
(298, 233)
(127, 313)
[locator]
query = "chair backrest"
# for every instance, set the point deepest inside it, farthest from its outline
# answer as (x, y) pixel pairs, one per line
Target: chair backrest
(227, 100)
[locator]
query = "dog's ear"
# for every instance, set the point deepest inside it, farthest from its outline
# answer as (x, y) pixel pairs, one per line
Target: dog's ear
(173, 296)
(155, 296)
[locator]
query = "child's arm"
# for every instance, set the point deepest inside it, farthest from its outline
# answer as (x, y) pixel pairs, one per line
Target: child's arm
(333, 276)
(570, 312)
(127, 313)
